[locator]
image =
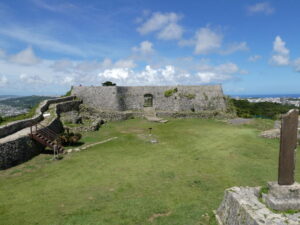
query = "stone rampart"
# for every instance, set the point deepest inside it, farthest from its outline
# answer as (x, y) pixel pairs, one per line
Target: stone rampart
(13, 127)
(68, 106)
(24, 148)
(182, 98)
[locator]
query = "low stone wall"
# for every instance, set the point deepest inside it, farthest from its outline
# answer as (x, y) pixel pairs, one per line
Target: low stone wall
(68, 106)
(13, 127)
(22, 149)
(18, 151)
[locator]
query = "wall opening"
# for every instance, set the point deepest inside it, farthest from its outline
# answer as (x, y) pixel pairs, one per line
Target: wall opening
(148, 100)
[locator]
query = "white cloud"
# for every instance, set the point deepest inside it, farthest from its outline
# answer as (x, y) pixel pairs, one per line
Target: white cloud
(207, 41)
(170, 74)
(171, 32)
(157, 21)
(3, 81)
(235, 47)
(281, 53)
(296, 65)
(254, 58)
(165, 24)
(2, 54)
(146, 47)
(126, 63)
(31, 36)
(279, 46)
(25, 57)
(116, 73)
(32, 79)
(263, 7)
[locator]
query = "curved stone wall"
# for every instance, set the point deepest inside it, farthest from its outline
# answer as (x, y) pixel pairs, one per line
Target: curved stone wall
(13, 127)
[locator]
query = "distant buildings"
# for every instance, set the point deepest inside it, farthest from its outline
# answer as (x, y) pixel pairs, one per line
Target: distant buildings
(285, 101)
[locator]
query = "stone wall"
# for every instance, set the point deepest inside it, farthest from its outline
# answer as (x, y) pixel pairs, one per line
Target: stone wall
(187, 98)
(13, 127)
(68, 106)
(24, 148)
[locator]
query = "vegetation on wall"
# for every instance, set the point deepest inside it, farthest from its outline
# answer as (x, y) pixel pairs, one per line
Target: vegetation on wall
(187, 95)
(170, 92)
(69, 92)
(108, 83)
(268, 110)
(69, 138)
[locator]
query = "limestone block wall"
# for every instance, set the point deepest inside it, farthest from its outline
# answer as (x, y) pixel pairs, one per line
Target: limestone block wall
(187, 98)
(24, 148)
(103, 98)
(13, 127)
(68, 106)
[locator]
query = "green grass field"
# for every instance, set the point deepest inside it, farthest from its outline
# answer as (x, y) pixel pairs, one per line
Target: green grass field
(178, 181)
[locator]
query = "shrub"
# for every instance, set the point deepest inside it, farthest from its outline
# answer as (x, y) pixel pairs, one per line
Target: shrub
(68, 139)
(69, 92)
(170, 92)
(108, 83)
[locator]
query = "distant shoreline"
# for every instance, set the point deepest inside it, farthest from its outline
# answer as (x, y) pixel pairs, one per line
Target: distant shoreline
(267, 96)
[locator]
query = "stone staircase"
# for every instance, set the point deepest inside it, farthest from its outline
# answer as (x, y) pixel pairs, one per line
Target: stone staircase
(46, 137)
(150, 115)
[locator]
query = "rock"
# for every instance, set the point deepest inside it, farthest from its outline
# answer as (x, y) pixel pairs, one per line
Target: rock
(96, 125)
(241, 206)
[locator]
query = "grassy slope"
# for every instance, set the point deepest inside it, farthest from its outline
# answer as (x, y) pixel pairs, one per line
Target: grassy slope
(128, 180)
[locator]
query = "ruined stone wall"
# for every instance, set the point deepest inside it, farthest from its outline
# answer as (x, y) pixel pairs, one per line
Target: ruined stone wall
(24, 148)
(13, 127)
(68, 106)
(187, 98)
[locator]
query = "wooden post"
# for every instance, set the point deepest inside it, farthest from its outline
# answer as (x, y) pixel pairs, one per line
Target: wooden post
(288, 145)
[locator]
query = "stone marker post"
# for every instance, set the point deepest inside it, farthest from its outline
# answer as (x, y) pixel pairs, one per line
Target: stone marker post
(288, 145)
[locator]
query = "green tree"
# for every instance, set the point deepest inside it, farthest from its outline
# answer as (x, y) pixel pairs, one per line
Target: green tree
(108, 83)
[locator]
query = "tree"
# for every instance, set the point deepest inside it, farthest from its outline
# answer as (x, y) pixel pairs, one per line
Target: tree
(108, 83)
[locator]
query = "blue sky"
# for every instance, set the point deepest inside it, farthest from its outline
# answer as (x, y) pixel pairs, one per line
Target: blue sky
(250, 47)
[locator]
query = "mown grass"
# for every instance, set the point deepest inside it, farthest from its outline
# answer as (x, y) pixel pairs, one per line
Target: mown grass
(179, 180)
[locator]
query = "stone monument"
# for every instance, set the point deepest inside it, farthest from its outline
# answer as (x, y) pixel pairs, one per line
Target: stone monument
(249, 205)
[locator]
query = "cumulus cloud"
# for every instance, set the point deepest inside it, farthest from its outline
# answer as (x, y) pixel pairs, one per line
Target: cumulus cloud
(280, 56)
(235, 47)
(116, 73)
(3, 81)
(254, 58)
(164, 23)
(207, 41)
(296, 65)
(25, 57)
(125, 63)
(170, 74)
(32, 79)
(262, 7)
(145, 47)
(170, 32)
(2, 54)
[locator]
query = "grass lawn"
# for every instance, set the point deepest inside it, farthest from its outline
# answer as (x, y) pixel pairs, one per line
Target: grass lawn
(177, 181)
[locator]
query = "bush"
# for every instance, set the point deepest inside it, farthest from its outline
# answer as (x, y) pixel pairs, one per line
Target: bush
(108, 83)
(264, 110)
(170, 92)
(1, 119)
(69, 92)
(69, 139)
